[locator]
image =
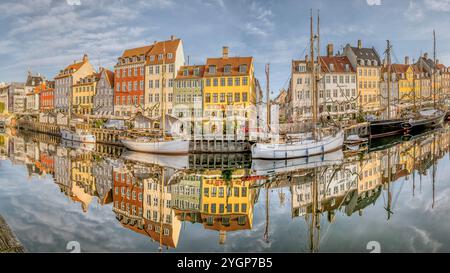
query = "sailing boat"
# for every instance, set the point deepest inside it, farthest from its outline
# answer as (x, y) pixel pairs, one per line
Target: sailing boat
(158, 145)
(318, 143)
(390, 126)
(423, 120)
(432, 117)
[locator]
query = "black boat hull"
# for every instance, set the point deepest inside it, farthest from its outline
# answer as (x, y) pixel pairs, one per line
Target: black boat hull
(385, 128)
(425, 124)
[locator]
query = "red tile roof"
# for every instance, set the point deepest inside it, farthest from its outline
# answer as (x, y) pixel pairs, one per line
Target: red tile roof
(235, 63)
(138, 51)
(339, 64)
(169, 46)
(190, 68)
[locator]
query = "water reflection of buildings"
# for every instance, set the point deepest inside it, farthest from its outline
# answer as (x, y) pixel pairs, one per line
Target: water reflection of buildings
(143, 201)
(157, 200)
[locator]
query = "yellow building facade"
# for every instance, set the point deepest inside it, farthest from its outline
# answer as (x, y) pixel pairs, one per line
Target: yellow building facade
(406, 84)
(226, 201)
(229, 88)
(83, 94)
(367, 64)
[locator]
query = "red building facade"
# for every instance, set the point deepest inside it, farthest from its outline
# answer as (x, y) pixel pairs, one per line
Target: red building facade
(127, 195)
(129, 81)
(47, 96)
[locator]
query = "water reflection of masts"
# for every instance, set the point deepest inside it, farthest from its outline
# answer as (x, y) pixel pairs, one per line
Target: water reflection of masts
(388, 208)
(161, 209)
(266, 230)
(434, 168)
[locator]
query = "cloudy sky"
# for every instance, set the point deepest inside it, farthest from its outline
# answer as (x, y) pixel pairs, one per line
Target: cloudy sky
(46, 35)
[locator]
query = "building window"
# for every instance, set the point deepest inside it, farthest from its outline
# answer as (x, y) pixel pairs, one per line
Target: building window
(244, 97)
(237, 81)
(212, 69)
(243, 68)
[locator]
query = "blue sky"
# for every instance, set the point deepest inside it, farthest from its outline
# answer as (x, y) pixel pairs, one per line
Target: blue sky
(46, 35)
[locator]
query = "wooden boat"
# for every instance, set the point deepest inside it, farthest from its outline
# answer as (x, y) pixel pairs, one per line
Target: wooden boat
(296, 149)
(156, 146)
(268, 167)
(77, 135)
(318, 143)
(428, 119)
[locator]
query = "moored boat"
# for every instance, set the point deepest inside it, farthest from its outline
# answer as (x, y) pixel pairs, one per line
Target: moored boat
(77, 135)
(156, 146)
(428, 119)
(300, 148)
(268, 167)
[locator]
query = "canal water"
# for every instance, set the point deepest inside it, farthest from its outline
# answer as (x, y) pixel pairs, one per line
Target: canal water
(392, 197)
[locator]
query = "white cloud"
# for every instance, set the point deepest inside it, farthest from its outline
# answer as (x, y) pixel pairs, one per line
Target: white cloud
(373, 2)
(438, 5)
(259, 22)
(414, 12)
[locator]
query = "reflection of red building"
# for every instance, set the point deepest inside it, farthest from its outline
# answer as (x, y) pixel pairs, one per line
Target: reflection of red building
(46, 96)
(129, 81)
(152, 229)
(127, 195)
(46, 163)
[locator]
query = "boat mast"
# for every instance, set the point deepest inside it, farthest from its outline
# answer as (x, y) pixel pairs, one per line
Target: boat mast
(163, 99)
(268, 98)
(420, 79)
(434, 70)
(313, 77)
(388, 57)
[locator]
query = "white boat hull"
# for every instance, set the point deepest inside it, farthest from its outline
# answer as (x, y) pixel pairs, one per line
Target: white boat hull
(78, 137)
(158, 147)
(270, 167)
(172, 161)
(305, 148)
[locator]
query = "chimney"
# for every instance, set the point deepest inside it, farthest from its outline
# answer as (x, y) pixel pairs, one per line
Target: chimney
(359, 44)
(406, 60)
(85, 58)
(437, 61)
(330, 50)
(225, 52)
(425, 55)
(172, 37)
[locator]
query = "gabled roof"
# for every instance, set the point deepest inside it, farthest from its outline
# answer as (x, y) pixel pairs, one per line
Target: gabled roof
(109, 76)
(190, 69)
(72, 68)
(138, 51)
(34, 80)
(366, 53)
(169, 46)
(339, 64)
(234, 62)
